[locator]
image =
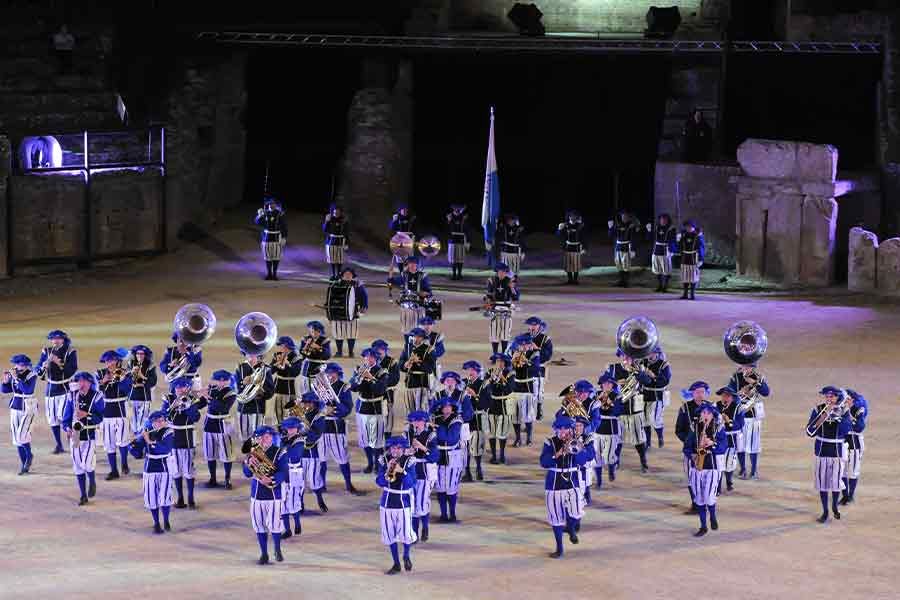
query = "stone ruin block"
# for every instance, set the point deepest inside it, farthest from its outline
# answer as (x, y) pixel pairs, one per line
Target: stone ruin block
(777, 159)
(888, 277)
(862, 261)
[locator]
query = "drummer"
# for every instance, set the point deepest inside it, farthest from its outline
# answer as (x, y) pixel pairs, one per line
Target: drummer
(346, 326)
(501, 293)
(414, 289)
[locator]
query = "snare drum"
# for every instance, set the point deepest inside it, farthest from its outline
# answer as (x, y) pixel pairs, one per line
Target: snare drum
(434, 308)
(409, 301)
(499, 309)
(340, 302)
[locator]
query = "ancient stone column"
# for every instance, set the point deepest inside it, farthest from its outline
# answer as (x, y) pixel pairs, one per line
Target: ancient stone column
(862, 260)
(889, 267)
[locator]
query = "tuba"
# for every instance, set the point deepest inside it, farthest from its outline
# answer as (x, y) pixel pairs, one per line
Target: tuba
(194, 324)
(636, 337)
(429, 246)
(745, 342)
(255, 333)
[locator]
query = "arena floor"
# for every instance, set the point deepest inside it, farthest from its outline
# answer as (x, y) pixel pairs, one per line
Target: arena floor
(635, 541)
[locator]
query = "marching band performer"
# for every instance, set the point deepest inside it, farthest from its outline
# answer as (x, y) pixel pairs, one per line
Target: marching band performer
(664, 246)
(501, 293)
(752, 388)
(143, 380)
(437, 349)
(570, 232)
(656, 395)
(314, 420)
(423, 448)
(349, 330)
(526, 370)
(252, 413)
(182, 412)
(499, 387)
(57, 364)
(392, 367)
(829, 423)
(114, 382)
(856, 445)
(417, 361)
(630, 376)
(585, 437)
(456, 243)
(474, 385)
(182, 353)
(335, 228)
(265, 493)
(368, 381)
(462, 406)
(448, 427)
(703, 446)
(218, 426)
(274, 235)
(543, 346)
(733, 420)
(292, 487)
(285, 366)
(605, 409)
(414, 284)
(82, 413)
(511, 237)
(402, 222)
(623, 228)
(397, 478)
(21, 382)
(315, 350)
(693, 250)
(695, 396)
(563, 457)
(333, 441)
(154, 445)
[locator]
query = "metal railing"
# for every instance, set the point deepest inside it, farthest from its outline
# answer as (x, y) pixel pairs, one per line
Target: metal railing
(95, 150)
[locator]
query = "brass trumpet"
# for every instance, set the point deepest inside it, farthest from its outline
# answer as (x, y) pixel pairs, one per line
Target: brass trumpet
(394, 470)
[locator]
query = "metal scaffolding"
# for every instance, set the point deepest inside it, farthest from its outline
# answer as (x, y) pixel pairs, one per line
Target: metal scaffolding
(548, 44)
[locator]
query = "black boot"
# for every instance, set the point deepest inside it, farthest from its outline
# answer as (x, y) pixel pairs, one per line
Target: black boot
(340, 348)
(351, 343)
(642, 453)
(275, 270)
(518, 429)
(540, 411)
(569, 279)
(693, 289)
(684, 296)
(575, 278)
(479, 474)
(268, 270)
(493, 443)
(502, 452)
(665, 284)
(659, 283)
(467, 476)
(626, 276)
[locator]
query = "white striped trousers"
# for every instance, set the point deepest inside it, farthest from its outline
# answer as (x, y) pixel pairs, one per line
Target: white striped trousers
(20, 426)
(84, 456)
(217, 446)
(853, 464)
(562, 504)
(265, 516)
(501, 327)
(396, 526)
(752, 434)
(705, 485)
(829, 473)
(344, 330)
(335, 446)
(157, 490)
(53, 409)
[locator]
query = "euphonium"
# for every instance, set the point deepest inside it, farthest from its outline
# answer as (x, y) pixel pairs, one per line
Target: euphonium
(519, 359)
(573, 407)
(193, 324)
(262, 465)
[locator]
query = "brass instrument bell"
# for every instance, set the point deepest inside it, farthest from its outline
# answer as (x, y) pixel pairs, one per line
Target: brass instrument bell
(637, 336)
(745, 342)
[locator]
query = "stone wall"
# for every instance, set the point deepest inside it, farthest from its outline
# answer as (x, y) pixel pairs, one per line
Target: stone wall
(608, 16)
(786, 211)
(690, 86)
(48, 217)
(126, 211)
(873, 267)
(705, 193)
(5, 169)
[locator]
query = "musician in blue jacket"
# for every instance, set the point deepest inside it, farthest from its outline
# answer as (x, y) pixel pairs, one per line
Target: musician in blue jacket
(542, 345)
(335, 229)
(511, 240)
(856, 444)
(448, 426)
(498, 394)
(423, 443)
(605, 409)
(693, 250)
(183, 411)
(664, 246)
(631, 378)
(752, 389)
(705, 443)
(368, 382)
(585, 437)
(656, 395)
(829, 423)
(456, 239)
(570, 232)
(414, 288)
(695, 396)
(219, 426)
(21, 383)
(417, 361)
(57, 365)
(474, 384)
(182, 360)
(562, 457)
(314, 421)
(143, 380)
(733, 420)
(81, 415)
(333, 442)
(274, 234)
(526, 364)
(114, 382)
(315, 350)
(292, 444)
(349, 329)
(397, 479)
(265, 493)
(392, 367)
(623, 229)
(498, 298)
(154, 445)
(435, 339)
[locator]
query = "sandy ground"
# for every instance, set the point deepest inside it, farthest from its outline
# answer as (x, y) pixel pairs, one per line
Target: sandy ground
(635, 541)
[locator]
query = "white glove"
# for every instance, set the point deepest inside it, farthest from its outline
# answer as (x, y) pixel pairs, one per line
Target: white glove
(677, 237)
(395, 216)
(260, 212)
(562, 226)
(649, 228)
(583, 251)
(610, 224)
(522, 256)
(632, 254)
(488, 247)
(327, 217)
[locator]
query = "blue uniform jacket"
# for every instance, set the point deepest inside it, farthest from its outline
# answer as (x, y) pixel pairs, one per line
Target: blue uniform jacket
(719, 447)
(605, 421)
(161, 443)
(114, 395)
(260, 492)
(172, 356)
(428, 438)
(92, 404)
(58, 377)
(314, 360)
(448, 431)
(218, 409)
(858, 416)
(20, 386)
(829, 435)
(183, 422)
(659, 374)
(400, 494)
(462, 404)
(335, 423)
(563, 472)
(545, 350)
(142, 390)
(736, 415)
(687, 416)
(411, 282)
(370, 394)
(314, 430)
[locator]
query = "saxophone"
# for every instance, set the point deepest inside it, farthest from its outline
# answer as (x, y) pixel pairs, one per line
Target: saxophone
(702, 451)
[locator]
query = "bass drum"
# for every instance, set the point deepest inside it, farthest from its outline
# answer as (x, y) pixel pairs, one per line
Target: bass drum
(340, 302)
(434, 308)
